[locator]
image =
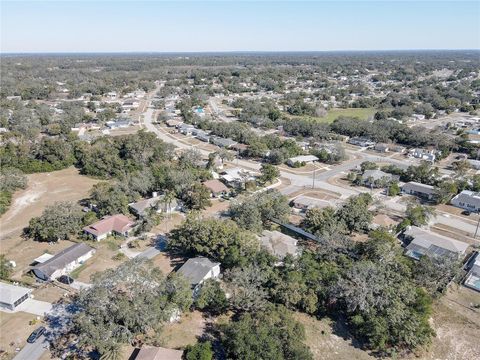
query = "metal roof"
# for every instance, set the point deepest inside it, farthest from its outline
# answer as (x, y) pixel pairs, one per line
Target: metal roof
(9, 293)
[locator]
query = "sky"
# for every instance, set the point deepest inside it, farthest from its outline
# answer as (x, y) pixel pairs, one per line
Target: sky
(217, 26)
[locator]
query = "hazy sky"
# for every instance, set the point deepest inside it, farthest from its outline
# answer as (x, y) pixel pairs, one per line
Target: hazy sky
(109, 26)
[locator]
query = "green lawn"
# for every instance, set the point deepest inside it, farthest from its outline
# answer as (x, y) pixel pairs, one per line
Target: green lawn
(361, 113)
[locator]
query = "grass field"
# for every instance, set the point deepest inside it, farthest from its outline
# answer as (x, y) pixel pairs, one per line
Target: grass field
(361, 113)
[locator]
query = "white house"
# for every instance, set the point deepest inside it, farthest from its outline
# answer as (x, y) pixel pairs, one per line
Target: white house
(197, 270)
(423, 154)
(302, 159)
(419, 189)
(11, 296)
(64, 262)
(468, 200)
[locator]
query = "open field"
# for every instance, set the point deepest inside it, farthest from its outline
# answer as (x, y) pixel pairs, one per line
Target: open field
(185, 332)
(14, 331)
(43, 189)
(333, 114)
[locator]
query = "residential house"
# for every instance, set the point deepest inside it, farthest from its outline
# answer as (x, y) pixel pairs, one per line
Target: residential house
(420, 190)
(398, 148)
(157, 203)
(472, 279)
(12, 295)
(116, 224)
(63, 262)
(197, 270)
(362, 142)
(130, 104)
(302, 159)
(221, 142)
(156, 353)
(174, 123)
(423, 154)
(202, 136)
(377, 178)
(468, 200)
(474, 164)
(279, 244)
(118, 124)
(186, 129)
(304, 203)
(427, 243)
(216, 187)
(236, 177)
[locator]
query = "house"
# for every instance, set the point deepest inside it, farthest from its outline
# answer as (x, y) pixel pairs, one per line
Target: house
(418, 189)
(117, 224)
(156, 353)
(381, 147)
(303, 203)
(216, 187)
(302, 159)
(423, 154)
(279, 244)
(64, 262)
(236, 177)
(118, 124)
(199, 111)
(473, 276)
(197, 270)
(112, 95)
(174, 123)
(377, 178)
(468, 200)
(186, 129)
(221, 142)
(130, 104)
(156, 202)
(202, 136)
(424, 242)
(12, 295)
(362, 142)
(474, 164)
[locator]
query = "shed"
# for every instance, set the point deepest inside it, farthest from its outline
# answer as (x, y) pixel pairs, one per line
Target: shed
(12, 295)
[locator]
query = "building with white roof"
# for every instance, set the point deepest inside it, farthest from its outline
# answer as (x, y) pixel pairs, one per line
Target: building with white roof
(302, 159)
(468, 200)
(11, 295)
(424, 242)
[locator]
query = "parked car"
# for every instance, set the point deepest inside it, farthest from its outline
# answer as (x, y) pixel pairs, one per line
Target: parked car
(36, 334)
(65, 279)
(466, 212)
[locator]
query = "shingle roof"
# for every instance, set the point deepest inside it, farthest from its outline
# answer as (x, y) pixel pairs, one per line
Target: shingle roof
(158, 353)
(215, 186)
(310, 202)
(431, 244)
(278, 243)
(418, 187)
(10, 293)
(63, 258)
(118, 223)
(195, 269)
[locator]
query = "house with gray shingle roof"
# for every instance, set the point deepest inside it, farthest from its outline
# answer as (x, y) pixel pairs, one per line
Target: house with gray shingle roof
(197, 270)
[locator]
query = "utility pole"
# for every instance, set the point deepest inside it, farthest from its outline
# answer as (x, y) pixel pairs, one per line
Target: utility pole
(478, 223)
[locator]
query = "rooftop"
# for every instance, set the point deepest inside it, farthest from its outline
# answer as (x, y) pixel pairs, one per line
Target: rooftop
(195, 269)
(278, 243)
(10, 293)
(118, 223)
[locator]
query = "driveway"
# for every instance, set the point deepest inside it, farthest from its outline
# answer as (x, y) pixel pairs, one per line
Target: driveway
(33, 351)
(35, 307)
(80, 285)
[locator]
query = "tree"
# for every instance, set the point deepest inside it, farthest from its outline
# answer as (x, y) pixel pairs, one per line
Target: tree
(368, 165)
(269, 173)
(419, 215)
(393, 189)
(267, 335)
(355, 214)
(322, 222)
(199, 351)
(254, 211)
(109, 310)
(212, 298)
(461, 167)
(247, 288)
(221, 240)
(435, 273)
(445, 191)
(109, 199)
(57, 222)
(197, 197)
(5, 268)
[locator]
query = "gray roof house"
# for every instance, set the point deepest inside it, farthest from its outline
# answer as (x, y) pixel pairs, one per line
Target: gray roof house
(377, 178)
(197, 270)
(279, 244)
(468, 200)
(156, 202)
(225, 143)
(63, 262)
(473, 277)
(424, 242)
(418, 189)
(11, 295)
(304, 203)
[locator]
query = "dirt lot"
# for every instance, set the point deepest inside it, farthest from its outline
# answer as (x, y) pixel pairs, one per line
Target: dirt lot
(185, 332)
(43, 189)
(50, 293)
(14, 332)
(327, 345)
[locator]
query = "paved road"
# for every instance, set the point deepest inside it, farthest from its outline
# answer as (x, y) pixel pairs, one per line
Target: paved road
(33, 351)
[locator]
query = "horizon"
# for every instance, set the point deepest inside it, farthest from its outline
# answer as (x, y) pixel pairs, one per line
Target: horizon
(47, 27)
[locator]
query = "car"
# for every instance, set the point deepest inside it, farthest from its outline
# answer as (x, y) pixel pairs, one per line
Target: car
(466, 212)
(65, 279)
(36, 334)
